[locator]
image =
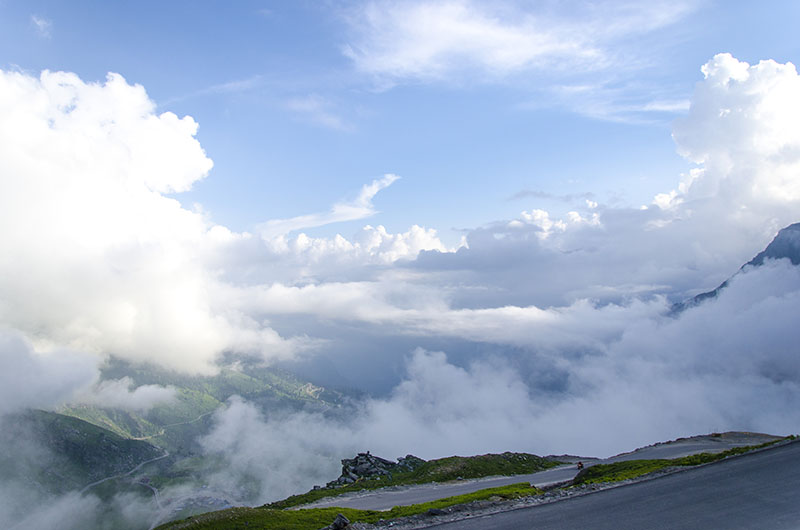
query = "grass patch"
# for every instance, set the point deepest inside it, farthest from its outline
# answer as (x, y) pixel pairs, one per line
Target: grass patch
(269, 518)
(440, 470)
(629, 469)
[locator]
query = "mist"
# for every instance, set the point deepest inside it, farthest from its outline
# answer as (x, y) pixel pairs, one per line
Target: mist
(730, 364)
(540, 333)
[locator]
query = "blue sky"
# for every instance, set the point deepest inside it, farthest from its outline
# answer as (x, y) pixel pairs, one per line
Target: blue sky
(294, 123)
(567, 171)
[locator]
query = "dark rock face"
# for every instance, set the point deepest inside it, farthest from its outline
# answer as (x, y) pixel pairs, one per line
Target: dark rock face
(365, 465)
(785, 245)
(409, 462)
(339, 523)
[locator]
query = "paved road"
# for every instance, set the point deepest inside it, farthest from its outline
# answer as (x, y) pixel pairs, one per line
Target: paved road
(756, 491)
(127, 474)
(387, 498)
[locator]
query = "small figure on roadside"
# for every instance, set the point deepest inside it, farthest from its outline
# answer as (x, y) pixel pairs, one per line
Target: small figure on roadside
(580, 465)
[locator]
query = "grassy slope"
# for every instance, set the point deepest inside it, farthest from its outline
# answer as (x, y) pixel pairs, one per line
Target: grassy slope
(70, 452)
(177, 424)
(440, 470)
(274, 516)
(629, 469)
(271, 518)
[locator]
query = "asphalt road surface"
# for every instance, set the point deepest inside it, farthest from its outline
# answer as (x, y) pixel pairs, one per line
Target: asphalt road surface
(760, 490)
(385, 499)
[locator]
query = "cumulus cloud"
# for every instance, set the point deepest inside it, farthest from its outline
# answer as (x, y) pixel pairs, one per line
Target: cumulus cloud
(436, 40)
(739, 135)
(742, 130)
(99, 259)
(369, 245)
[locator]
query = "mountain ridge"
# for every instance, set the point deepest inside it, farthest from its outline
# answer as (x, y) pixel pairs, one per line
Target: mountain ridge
(785, 245)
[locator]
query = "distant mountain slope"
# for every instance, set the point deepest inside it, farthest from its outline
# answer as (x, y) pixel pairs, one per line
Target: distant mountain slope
(786, 244)
(58, 453)
(177, 424)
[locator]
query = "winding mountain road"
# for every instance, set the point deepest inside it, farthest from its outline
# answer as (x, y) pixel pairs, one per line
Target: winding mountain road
(385, 499)
(755, 490)
(127, 474)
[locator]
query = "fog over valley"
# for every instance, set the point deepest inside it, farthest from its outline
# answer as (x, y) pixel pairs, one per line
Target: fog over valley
(243, 357)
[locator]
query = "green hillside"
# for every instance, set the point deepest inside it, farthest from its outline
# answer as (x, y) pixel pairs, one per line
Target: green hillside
(58, 453)
(177, 424)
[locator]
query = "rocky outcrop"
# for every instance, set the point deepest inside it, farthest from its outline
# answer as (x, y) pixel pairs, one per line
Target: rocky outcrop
(340, 523)
(366, 466)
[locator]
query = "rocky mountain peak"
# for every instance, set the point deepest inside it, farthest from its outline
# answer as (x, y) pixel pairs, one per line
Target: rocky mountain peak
(785, 245)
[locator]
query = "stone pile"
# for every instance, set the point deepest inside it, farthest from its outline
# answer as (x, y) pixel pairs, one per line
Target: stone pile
(365, 466)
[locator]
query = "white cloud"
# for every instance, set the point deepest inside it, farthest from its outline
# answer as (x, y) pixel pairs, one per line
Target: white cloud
(726, 365)
(104, 262)
(359, 208)
(424, 40)
(742, 128)
(369, 245)
(95, 257)
(281, 456)
(117, 393)
(30, 379)
(50, 379)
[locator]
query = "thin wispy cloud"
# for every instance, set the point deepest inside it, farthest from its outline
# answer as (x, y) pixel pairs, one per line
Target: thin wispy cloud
(43, 26)
(435, 41)
(538, 194)
(236, 86)
(359, 208)
(613, 98)
(319, 111)
(584, 57)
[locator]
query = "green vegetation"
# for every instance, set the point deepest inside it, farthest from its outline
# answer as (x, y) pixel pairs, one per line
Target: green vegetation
(629, 469)
(61, 453)
(276, 515)
(440, 470)
(177, 424)
(268, 517)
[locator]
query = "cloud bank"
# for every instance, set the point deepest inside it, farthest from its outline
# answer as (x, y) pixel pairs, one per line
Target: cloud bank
(540, 333)
(730, 363)
(98, 258)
